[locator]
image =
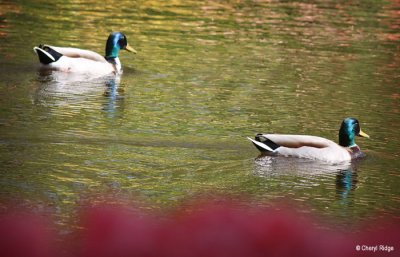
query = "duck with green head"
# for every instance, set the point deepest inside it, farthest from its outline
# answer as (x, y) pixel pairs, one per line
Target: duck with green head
(313, 147)
(84, 61)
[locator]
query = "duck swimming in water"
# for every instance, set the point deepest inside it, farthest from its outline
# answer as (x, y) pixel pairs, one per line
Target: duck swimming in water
(313, 147)
(84, 61)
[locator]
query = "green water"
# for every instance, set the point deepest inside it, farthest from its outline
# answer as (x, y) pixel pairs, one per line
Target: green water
(207, 75)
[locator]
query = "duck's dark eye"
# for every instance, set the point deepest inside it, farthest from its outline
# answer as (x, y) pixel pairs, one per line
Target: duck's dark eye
(356, 129)
(122, 42)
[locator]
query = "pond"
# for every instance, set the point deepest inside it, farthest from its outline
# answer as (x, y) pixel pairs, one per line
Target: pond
(206, 75)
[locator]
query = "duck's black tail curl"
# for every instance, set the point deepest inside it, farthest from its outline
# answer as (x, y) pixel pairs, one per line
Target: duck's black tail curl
(264, 144)
(260, 138)
(47, 54)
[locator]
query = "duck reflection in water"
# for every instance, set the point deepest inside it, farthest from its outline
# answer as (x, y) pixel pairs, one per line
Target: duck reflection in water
(280, 165)
(346, 183)
(112, 99)
(304, 173)
(57, 89)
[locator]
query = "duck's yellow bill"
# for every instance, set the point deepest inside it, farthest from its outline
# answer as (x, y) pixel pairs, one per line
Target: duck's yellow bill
(362, 134)
(130, 49)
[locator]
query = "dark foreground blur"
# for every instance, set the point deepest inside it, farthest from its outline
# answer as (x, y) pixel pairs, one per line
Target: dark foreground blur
(211, 229)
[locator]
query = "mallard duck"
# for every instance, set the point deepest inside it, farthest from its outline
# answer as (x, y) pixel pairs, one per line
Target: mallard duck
(84, 61)
(313, 147)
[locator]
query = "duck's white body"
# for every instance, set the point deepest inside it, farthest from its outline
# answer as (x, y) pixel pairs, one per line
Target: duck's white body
(310, 147)
(80, 65)
(82, 61)
(77, 60)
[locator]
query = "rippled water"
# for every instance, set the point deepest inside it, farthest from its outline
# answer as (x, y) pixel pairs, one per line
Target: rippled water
(206, 76)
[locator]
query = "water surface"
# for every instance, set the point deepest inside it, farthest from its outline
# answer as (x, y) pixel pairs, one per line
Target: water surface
(206, 76)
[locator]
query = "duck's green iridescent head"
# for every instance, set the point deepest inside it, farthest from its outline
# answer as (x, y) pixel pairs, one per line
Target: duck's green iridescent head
(348, 131)
(115, 42)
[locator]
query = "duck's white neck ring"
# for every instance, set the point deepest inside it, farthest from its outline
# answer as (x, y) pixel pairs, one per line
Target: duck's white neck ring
(115, 62)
